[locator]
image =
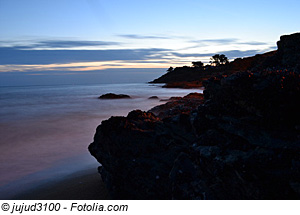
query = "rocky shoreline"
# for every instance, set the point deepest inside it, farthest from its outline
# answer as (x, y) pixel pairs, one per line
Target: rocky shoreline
(239, 141)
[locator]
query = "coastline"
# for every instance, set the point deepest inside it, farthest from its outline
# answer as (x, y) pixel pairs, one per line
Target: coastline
(230, 135)
(87, 184)
(240, 141)
(57, 135)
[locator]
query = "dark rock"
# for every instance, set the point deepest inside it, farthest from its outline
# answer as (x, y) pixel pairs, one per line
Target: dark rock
(178, 105)
(153, 97)
(287, 56)
(184, 84)
(241, 141)
(114, 96)
(180, 74)
(289, 49)
(139, 152)
(193, 77)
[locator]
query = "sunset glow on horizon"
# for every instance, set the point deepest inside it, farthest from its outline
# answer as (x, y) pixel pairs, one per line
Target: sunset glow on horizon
(93, 35)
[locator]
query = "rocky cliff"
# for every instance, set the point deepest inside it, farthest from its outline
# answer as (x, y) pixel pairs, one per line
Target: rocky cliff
(289, 50)
(241, 141)
(191, 77)
(287, 56)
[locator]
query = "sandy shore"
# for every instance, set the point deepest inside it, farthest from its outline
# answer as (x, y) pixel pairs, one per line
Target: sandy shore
(83, 185)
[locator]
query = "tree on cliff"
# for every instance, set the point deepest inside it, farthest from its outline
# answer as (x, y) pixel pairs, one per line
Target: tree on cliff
(198, 64)
(223, 59)
(218, 60)
(170, 69)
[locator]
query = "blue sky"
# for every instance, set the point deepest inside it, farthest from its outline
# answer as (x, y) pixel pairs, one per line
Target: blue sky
(86, 38)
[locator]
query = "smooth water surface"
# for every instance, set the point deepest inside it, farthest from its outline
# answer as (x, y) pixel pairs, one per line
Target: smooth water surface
(45, 130)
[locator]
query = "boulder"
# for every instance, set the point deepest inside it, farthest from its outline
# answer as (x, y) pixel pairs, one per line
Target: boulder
(114, 96)
(153, 97)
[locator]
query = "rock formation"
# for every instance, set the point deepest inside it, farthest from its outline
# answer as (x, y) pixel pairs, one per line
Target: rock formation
(178, 105)
(287, 56)
(153, 97)
(241, 141)
(289, 50)
(114, 96)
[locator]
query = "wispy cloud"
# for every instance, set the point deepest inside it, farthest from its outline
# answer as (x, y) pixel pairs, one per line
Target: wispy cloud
(87, 60)
(57, 44)
(82, 55)
(19, 56)
(253, 43)
(83, 66)
(231, 54)
(183, 55)
(215, 41)
(73, 44)
(136, 36)
(226, 41)
(273, 47)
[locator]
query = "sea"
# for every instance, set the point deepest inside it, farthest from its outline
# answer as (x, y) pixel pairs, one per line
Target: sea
(45, 130)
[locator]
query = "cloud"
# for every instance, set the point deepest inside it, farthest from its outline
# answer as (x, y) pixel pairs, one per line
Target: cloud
(49, 44)
(18, 56)
(226, 41)
(231, 54)
(57, 55)
(42, 77)
(177, 54)
(136, 36)
(216, 41)
(254, 43)
(273, 47)
(72, 44)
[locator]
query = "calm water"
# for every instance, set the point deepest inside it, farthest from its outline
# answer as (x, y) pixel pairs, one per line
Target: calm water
(45, 130)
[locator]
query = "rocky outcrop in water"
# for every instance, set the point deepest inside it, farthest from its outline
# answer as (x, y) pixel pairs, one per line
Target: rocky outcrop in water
(153, 97)
(114, 96)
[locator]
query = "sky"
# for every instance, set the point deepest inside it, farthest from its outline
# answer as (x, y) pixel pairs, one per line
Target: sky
(111, 41)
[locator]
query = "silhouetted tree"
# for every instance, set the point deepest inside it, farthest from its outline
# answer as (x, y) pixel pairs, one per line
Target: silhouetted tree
(215, 60)
(197, 64)
(170, 69)
(218, 60)
(223, 59)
